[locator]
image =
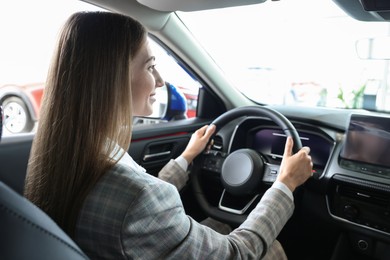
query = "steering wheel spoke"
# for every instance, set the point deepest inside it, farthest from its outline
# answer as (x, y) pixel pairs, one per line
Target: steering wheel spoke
(236, 205)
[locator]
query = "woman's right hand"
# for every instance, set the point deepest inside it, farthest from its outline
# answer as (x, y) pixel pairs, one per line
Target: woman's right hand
(295, 169)
(198, 142)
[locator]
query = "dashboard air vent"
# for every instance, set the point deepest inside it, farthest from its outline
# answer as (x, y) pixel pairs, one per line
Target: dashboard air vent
(365, 195)
(218, 143)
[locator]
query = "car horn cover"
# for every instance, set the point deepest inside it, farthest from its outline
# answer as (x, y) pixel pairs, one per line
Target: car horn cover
(242, 172)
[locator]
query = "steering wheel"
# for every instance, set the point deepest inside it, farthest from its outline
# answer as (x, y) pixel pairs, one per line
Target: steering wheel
(243, 170)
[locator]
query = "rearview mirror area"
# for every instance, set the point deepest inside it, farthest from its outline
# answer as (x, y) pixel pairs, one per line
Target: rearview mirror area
(373, 48)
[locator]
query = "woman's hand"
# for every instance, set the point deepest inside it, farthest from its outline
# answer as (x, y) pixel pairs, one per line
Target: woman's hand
(295, 169)
(198, 142)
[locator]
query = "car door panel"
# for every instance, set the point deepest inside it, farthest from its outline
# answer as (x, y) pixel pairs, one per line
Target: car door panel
(155, 153)
(14, 154)
(153, 145)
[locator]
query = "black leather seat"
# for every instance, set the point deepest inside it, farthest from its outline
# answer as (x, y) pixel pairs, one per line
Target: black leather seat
(26, 232)
(14, 154)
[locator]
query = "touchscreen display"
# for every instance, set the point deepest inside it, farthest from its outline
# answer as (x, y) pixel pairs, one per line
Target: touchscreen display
(368, 140)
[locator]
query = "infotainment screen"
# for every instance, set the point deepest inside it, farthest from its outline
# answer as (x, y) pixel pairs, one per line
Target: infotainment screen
(368, 140)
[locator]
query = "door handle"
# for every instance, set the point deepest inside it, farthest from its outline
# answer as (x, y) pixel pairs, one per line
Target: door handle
(148, 157)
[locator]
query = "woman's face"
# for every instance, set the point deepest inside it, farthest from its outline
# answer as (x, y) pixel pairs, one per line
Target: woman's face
(145, 79)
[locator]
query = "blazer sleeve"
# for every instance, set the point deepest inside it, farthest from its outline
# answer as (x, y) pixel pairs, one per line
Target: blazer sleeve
(156, 227)
(174, 174)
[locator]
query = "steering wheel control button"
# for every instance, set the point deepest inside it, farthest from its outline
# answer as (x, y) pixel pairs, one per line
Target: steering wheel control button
(270, 173)
(213, 163)
(242, 172)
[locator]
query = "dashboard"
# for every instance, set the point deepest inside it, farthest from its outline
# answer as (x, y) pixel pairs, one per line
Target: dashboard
(269, 140)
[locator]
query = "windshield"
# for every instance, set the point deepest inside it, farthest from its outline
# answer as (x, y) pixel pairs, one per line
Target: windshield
(278, 52)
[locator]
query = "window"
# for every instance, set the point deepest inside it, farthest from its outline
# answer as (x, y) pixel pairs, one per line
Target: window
(28, 40)
(300, 52)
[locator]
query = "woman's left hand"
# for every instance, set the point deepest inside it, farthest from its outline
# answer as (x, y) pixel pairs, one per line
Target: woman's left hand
(198, 142)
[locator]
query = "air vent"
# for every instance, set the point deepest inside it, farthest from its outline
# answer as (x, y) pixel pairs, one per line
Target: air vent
(218, 143)
(364, 195)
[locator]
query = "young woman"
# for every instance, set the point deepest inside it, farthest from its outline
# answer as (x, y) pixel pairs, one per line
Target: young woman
(102, 74)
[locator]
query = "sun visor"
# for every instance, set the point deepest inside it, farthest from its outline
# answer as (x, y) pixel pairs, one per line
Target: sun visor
(366, 10)
(194, 5)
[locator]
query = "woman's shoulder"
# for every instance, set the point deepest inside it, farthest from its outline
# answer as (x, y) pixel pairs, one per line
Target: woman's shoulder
(130, 179)
(121, 187)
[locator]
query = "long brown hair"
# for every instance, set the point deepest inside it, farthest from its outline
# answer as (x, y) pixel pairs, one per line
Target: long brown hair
(86, 111)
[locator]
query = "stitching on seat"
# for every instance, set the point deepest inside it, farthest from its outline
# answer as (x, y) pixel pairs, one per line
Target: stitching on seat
(8, 210)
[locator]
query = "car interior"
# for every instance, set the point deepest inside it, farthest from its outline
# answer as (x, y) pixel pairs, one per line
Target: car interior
(23, 223)
(342, 212)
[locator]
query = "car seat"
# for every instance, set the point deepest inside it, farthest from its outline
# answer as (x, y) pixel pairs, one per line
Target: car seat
(29, 233)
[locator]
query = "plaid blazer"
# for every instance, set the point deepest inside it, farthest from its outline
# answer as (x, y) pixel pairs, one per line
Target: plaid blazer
(132, 215)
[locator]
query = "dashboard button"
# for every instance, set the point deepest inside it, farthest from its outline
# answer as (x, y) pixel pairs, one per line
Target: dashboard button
(363, 245)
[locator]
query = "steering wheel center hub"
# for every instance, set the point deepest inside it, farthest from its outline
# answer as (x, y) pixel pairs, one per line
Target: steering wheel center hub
(242, 172)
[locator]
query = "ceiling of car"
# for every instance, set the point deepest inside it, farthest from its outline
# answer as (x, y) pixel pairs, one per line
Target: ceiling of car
(191, 5)
(354, 8)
